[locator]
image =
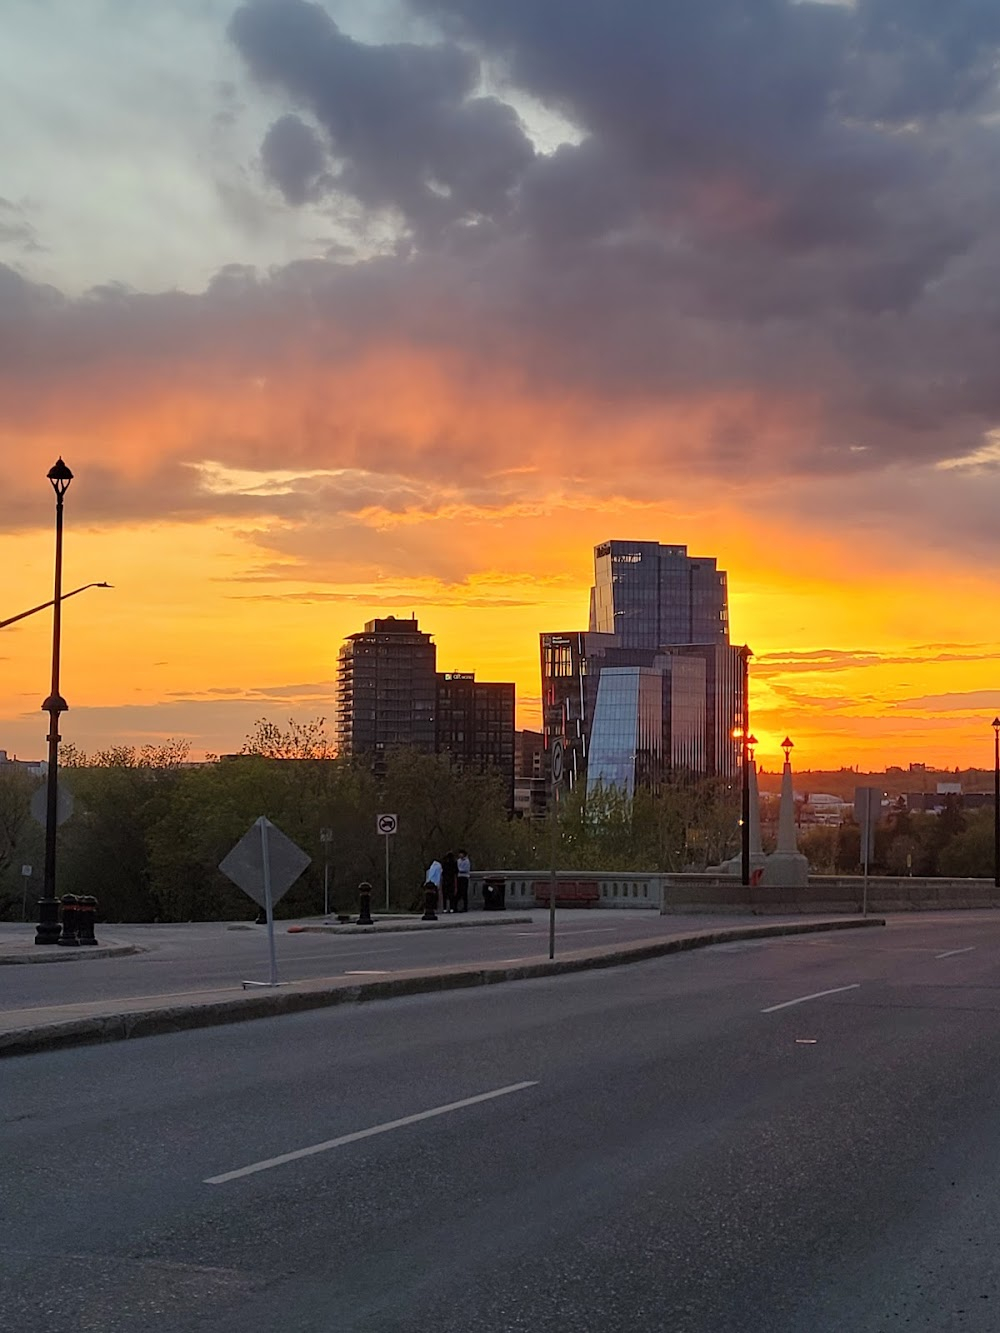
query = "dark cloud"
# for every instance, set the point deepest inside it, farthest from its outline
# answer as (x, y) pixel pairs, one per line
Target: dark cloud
(404, 127)
(16, 228)
(773, 246)
(293, 158)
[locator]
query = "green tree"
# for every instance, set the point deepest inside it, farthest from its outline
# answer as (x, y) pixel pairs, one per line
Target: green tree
(969, 853)
(20, 837)
(819, 845)
(120, 794)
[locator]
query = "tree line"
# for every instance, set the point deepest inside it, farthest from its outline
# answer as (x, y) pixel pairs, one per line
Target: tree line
(149, 828)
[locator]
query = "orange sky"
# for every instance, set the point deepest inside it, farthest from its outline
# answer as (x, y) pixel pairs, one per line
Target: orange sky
(190, 642)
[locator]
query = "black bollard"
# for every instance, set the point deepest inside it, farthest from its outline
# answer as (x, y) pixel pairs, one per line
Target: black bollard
(70, 919)
(430, 902)
(365, 898)
(86, 918)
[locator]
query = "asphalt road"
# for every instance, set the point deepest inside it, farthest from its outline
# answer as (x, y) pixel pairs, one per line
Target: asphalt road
(791, 1136)
(209, 956)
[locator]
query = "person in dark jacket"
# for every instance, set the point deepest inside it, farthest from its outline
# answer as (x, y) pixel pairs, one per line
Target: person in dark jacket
(449, 880)
(464, 871)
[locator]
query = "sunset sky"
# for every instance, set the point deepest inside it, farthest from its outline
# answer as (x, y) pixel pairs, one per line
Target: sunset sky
(387, 306)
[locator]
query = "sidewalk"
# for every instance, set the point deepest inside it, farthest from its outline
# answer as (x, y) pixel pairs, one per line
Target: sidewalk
(25, 950)
(17, 942)
(23, 1031)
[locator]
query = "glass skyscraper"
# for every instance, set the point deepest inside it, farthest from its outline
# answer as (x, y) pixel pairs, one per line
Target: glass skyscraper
(654, 687)
(626, 744)
(650, 595)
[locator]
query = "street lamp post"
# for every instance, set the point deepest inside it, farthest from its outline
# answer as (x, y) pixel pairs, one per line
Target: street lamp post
(47, 931)
(996, 802)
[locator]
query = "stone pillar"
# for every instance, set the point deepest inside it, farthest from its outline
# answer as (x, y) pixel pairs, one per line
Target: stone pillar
(756, 846)
(787, 867)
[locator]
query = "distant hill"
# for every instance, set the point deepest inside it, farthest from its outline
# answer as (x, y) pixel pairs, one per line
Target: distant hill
(842, 781)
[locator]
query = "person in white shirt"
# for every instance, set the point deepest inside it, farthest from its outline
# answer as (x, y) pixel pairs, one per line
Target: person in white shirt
(462, 885)
(433, 876)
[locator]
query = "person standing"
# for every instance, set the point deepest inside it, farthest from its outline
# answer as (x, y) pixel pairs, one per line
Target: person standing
(432, 879)
(449, 880)
(462, 883)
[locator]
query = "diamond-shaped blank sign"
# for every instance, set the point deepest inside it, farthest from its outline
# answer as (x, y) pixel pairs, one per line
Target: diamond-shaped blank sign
(245, 863)
(40, 804)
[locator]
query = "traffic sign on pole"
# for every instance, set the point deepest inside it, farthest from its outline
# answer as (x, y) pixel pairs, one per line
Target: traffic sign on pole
(265, 864)
(387, 824)
(557, 761)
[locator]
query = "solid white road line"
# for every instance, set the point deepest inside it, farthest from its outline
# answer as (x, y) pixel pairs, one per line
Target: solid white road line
(367, 1133)
(950, 953)
(817, 995)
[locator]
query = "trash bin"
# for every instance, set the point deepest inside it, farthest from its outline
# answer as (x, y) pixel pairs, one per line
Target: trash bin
(494, 893)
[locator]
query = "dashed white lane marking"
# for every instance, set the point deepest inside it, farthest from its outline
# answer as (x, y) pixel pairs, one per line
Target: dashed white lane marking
(816, 995)
(950, 953)
(367, 1133)
(368, 972)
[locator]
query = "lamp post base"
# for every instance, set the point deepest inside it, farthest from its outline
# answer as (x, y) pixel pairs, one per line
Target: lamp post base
(48, 929)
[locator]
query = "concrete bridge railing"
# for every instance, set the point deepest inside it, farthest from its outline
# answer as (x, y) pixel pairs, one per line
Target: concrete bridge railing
(724, 893)
(615, 890)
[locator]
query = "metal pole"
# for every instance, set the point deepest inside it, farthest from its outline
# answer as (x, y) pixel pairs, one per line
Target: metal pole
(326, 879)
(745, 804)
(996, 802)
(47, 931)
(866, 833)
(553, 848)
(387, 873)
(268, 903)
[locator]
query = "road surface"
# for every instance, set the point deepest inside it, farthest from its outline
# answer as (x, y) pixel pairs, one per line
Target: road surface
(790, 1136)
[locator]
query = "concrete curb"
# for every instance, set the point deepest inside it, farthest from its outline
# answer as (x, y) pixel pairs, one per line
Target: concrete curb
(385, 927)
(288, 1000)
(71, 955)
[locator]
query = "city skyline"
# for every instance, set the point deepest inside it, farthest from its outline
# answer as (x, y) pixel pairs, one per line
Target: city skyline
(305, 379)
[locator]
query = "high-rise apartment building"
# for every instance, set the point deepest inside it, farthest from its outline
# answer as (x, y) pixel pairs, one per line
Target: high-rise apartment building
(387, 690)
(649, 595)
(390, 694)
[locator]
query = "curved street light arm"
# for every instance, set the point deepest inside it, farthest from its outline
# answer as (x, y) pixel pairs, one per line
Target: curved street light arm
(52, 601)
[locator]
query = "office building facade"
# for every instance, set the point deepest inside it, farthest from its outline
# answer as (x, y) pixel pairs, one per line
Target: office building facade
(475, 725)
(648, 595)
(531, 775)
